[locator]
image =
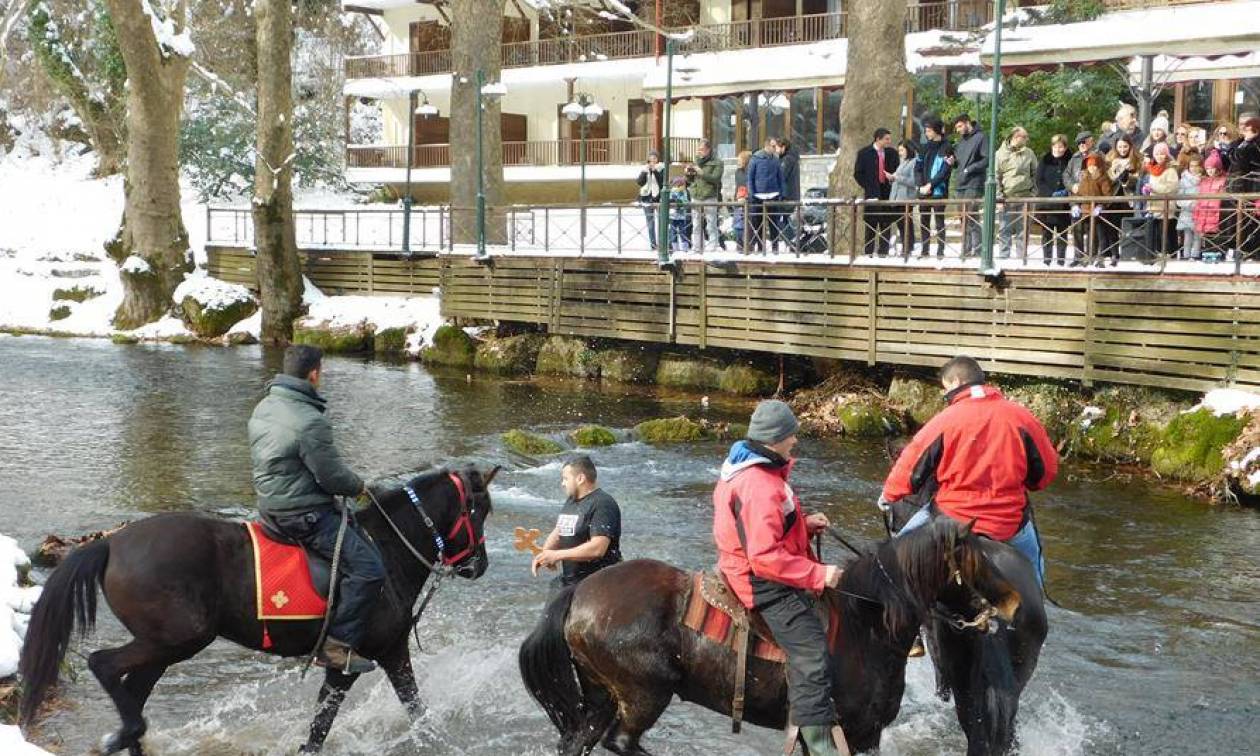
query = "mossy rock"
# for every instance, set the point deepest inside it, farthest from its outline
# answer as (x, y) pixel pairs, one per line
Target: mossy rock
(184, 338)
(1191, 447)
(390, 341)
(566, 355)
(687, 371)
(919, 399)
(212, 323)
(451, 346)
(76, 294)
(124, 338)
(510, 355)
(866, 420)
(355, 339)
(593, 435)
(1130, 429)
(1057, 407)
(669, 430)
(239, 338)
(628, 364)
(60, 312)
(530, 444)
(747, 380)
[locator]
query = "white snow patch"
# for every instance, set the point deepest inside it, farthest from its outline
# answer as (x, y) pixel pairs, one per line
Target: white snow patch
(1225, 401)
(211, 293)
(16, 603)
(1090, 415)
(135, 265)
(420, 316)
(13, 744)
(163, 328)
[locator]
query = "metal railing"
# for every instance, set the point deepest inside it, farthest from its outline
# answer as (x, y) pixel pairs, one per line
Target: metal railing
(625, 151)
(1132, 232)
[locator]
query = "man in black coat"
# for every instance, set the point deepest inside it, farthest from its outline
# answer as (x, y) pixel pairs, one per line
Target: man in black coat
(873, 170)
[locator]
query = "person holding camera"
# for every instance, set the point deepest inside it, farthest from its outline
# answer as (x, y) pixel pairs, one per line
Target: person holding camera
(651, 180)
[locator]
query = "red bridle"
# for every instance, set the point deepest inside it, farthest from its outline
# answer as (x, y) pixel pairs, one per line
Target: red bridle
(465, 521)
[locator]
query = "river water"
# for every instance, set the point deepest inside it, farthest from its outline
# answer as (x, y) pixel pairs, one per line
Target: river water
(1157, 650)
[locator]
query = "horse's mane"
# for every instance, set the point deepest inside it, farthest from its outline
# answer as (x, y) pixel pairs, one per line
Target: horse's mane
(877, 577)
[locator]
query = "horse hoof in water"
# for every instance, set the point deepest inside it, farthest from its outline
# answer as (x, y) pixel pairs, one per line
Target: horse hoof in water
(111, 743)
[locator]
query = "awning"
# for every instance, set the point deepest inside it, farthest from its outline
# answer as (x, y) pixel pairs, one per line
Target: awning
(1203, 29)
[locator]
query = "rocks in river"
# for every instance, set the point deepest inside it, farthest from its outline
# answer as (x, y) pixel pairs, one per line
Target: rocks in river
(530, 444)
(1192, 446)
(918, 398)
(568, 355)
(670, 430)
(210, 307)
(628, 363)
(848, 404)
(509, 355)
(390, 341)
(593, 435)
(351, 339)
(451, 346)
(697, 371)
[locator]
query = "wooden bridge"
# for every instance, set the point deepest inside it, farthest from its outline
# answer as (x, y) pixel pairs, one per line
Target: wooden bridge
(1183, 332)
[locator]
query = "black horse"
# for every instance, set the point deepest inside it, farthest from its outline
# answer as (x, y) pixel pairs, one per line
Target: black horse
(609, 654)
(178, 581)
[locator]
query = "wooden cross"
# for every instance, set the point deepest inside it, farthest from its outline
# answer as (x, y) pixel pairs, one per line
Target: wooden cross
(527, 540)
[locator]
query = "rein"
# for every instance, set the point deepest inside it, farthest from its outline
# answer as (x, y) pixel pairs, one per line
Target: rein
(443, 565)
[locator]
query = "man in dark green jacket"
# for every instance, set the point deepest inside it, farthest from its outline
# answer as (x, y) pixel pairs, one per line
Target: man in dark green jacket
(297, 472)
(706, 188)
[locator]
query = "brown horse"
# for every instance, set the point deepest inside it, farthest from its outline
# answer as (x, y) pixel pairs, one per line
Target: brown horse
(178, 581)
(609, 654)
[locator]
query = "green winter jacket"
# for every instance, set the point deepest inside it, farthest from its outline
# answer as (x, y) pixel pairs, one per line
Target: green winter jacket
(708, 183)
(296, 465)
(1016, 171)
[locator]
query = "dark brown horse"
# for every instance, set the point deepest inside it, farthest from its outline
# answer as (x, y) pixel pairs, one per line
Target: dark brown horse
(178, 581)
(608, 655)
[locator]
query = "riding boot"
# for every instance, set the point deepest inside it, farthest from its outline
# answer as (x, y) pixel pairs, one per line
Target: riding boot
(338, 655)
(819, 741)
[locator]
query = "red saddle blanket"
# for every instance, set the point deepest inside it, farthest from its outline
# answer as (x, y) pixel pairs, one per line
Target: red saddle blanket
(709, 609)
(282, 580)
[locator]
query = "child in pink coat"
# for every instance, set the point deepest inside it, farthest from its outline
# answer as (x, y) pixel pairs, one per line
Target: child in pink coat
(1207, 212)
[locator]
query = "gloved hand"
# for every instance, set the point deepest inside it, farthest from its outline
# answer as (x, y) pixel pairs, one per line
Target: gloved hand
(883, 504)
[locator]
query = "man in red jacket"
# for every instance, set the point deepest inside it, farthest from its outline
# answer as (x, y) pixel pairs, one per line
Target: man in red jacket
(977, 460)
(762, 537)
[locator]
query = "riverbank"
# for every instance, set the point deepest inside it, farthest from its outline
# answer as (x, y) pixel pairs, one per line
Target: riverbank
(17, 599)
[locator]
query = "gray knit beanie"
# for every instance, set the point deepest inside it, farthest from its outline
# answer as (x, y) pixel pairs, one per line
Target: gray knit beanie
(772, 422)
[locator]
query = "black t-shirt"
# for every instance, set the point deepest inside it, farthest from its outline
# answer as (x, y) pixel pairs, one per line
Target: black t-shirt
(595, 514)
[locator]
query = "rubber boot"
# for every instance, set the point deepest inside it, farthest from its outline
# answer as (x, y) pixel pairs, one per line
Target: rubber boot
(818, 740)
(338, 655)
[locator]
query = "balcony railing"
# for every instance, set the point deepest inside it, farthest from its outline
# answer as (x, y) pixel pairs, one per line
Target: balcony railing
(631, 151)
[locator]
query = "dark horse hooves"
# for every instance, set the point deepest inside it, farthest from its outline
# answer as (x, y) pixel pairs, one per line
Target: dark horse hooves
(118, 742)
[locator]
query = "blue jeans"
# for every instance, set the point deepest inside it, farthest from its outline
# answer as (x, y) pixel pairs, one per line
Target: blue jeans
(1027, 541)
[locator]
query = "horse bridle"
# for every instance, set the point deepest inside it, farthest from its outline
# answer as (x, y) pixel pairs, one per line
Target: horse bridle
(464, 521)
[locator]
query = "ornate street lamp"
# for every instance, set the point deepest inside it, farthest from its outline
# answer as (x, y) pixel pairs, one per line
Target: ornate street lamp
(584, 110)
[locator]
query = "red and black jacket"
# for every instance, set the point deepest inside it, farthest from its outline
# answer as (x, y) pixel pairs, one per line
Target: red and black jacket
(759, 528)
(977, 460)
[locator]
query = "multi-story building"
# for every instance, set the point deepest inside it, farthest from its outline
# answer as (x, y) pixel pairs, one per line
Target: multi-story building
(751, 69)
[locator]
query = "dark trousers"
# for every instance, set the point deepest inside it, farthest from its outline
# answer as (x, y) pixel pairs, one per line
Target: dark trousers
(361, 573)
(901, 219)
(933, 216)
(1054, 233)
(1079, 227)
(767, 223)
(650, 212)
(799, 631)
(879, 223)
(971, 217)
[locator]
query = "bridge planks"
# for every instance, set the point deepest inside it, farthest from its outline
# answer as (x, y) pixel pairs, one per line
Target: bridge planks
(1174, 332)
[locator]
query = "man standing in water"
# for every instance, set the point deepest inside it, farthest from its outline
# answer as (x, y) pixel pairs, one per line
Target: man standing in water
(587, 535)
(977, 460)
(762, 538)
(297, 472)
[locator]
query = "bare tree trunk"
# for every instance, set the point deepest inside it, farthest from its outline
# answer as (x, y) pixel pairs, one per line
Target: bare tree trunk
(279, 272)
(476, 34)
(152, 228)
(875, 85)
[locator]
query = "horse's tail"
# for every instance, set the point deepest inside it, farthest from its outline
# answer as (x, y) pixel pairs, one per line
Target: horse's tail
(1000, 690)
(547, 666)
(68, 599)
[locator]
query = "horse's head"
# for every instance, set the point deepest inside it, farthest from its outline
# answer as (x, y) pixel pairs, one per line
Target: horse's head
(946, 556)
(447, 517)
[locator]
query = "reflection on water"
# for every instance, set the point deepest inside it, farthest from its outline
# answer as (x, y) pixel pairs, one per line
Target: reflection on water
(1155, 652)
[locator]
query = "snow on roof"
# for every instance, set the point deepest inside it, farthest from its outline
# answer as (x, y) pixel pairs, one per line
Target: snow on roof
(717, 73)
(1170, 69)
(1201, 29)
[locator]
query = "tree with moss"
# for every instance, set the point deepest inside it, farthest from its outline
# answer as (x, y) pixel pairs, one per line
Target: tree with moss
(152, 244)
(79, 54)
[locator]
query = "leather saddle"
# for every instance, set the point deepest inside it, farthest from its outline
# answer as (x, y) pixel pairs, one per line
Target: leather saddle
(320, 568)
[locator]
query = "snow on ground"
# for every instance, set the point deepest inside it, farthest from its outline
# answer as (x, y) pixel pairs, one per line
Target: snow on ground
(1227, 401)
(16, 602)
(420, 315)
(12, 744)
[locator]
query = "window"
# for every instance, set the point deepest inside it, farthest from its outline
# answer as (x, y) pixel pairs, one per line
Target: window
(722, 122)
(1250, 102)
(638, 119)
(805, 121)
(1198, 103)
(751, 122)
(831, 121)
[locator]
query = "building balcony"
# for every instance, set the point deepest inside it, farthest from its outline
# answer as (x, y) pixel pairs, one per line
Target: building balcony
(562, 152)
